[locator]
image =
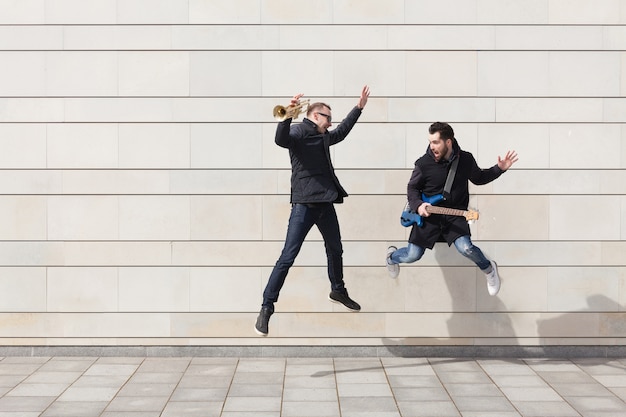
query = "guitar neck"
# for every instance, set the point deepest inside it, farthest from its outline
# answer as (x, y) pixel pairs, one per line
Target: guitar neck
(445, 210)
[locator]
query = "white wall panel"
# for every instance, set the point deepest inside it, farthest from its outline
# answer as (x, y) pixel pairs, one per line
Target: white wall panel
(82, 145)
(144, 201)
(80, 12)
(23, 73)
(227, 73)
(154, 145)
(162, 73)
(22, 12)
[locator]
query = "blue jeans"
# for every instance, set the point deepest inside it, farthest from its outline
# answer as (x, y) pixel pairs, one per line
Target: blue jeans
(463, 244)
(301, 220)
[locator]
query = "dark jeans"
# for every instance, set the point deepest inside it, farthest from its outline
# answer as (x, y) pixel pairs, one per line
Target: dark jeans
(301, 220)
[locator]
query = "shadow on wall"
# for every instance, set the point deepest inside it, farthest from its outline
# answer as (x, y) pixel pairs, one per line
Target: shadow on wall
(487, 325)
(607, 321)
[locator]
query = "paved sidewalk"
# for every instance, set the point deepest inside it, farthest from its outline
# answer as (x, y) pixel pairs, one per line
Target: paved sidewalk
(310, 387)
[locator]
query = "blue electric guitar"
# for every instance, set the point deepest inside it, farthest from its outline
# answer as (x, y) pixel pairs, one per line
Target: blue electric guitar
(409, 217)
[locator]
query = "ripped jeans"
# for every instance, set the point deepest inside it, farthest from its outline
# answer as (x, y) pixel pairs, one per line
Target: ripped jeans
(463, 244)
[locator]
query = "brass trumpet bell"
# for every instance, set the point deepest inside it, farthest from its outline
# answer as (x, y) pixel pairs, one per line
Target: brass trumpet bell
(282, 113)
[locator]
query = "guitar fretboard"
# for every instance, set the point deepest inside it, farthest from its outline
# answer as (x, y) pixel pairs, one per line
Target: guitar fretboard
(445, 210)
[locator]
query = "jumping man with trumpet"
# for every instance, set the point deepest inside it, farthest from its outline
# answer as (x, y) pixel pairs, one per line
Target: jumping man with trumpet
(314, 191)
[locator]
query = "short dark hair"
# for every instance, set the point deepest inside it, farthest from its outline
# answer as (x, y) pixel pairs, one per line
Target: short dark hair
(444, 129)
(315, 106)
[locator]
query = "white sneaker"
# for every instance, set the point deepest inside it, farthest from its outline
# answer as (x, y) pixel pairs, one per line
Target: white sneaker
(393, 269)
(493, 280)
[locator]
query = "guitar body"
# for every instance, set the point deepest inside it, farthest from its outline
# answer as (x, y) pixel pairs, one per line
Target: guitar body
(409, 217)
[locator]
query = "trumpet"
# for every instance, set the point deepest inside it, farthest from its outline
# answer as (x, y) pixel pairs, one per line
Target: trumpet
(291, 111)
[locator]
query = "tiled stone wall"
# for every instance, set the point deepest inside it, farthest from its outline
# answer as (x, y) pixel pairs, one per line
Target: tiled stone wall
(144, 202)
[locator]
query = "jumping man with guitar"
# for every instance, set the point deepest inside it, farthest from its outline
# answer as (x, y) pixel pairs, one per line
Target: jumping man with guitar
(438, 196)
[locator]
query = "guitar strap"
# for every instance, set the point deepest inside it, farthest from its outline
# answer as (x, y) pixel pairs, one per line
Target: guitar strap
(451, 173)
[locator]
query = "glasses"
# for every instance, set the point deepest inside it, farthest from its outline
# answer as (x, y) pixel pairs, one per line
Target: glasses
(327, 116)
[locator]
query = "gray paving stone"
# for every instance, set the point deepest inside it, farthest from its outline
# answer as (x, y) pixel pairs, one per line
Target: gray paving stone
(428, 409)
(146, 390)
(199, 394)
(258, 378)
(367, 404)
(100, 381)
(309, 394)
(137, 404)
(473, 390)
(192, 409)
(25, 403)
(311, 409)
(256, 390)
(44, 377)
(37, 390)
(364, 390)
(93, 394)
(545, 409)
(164, 365)
(421, 394)
(252, 404)
(67, 365)
(75, 409)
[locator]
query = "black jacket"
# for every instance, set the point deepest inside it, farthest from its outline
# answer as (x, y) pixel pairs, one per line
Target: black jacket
(313, 178)
(429, 178)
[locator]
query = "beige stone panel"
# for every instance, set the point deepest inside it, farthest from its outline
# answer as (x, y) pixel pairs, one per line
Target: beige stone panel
(354, 69)
(283, 12)
(84, 325)
(82, 290)
(161, 73)
(339, 324)
(441, 73)
(218, 145)
(22, 289)
(585, 74)
(583, 289)
(118, 38)
(512, 12)
(277, 81)
(82, 145)
(25, 110)
(523, 289)
(337, 37)
(154, 145)
(570, 214)
(614, 38)
(83, 218)
(22, 12)
(115, 253)
(548, 38)
(31, 182)
(518, 73)
(154, 217)
(226, 217)
(455, 110)
(371, 217)
(84, 73)
(621, 301)
(41, 253)
(152, 12)
(586, 12)
(614, 109)
(372, 146)
(222, 109)
(225, 73)
(440, 12)
(80, 12)
(545, 253)
(613, 253)
(113, 109)
(226, 289)
(368, 11)
(623, 216)
(211, 325)
(571, 147)
(551, 110)
(506, 217)
(437, 289)
(23, 73)
(223, 182)
(623, 89)
(306, 289)
(156, 289)
(23, 217)
(224, 11)
(207, 253)
(575, 324)
(15, 138)
(273, 155)
(528, 140)
(115, 182)
(440, 37)
(276, 212)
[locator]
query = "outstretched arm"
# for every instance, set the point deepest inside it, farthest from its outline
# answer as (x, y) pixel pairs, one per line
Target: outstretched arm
(365, 93)
(509, 159)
